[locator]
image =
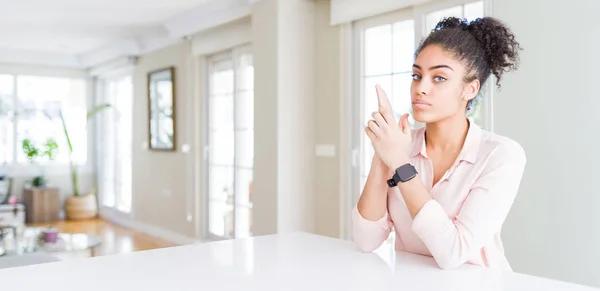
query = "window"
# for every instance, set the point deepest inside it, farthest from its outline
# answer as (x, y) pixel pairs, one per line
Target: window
(29, 109)
(388, 51)
(7, 137)
(230, 144)
(115, 143)
(385, 55)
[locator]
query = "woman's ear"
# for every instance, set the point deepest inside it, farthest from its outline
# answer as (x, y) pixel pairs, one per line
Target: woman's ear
(471, 90)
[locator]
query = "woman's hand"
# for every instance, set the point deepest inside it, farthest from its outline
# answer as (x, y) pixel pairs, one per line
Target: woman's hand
(379, 166)
(391, 140)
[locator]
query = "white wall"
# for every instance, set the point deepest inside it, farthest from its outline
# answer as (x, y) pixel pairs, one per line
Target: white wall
(550, 106)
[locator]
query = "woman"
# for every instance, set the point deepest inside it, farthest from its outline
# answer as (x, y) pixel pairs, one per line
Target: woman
(447, 188)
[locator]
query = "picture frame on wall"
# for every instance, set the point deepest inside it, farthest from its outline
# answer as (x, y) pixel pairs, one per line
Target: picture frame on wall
(161, 110)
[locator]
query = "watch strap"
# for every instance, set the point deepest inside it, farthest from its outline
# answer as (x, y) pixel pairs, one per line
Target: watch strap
(403, 174)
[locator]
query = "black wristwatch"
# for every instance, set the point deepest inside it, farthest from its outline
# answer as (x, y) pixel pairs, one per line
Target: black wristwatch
(403, 174)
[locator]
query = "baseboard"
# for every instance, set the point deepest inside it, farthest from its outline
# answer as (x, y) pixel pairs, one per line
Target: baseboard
(124, 220)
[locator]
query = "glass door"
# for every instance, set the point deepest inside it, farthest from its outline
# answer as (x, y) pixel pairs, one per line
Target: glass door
(115, 143)
(230, 159)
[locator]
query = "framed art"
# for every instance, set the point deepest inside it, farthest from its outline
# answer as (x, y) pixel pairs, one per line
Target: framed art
(161, 109)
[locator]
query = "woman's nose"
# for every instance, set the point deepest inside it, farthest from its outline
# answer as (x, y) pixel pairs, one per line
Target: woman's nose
(423, 87)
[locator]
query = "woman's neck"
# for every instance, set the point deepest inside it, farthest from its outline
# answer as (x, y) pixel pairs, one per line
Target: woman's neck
(447, 134)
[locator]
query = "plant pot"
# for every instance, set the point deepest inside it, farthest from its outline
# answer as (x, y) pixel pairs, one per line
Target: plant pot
(81, 207)
(39, 182)
(50, 235)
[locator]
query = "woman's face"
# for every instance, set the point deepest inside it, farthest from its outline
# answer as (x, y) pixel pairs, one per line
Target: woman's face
(438, 90)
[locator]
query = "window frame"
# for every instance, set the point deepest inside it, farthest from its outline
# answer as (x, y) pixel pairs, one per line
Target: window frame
(229, 54)
(24, 169)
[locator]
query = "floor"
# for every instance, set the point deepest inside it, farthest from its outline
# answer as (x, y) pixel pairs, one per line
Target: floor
(115, 239)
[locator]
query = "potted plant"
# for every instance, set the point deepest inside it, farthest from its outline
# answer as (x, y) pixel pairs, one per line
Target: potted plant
(33, 153)
(80, 205)
(41, 200)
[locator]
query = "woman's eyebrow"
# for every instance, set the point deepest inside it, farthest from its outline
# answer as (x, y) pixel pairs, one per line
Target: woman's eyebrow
(434, 67)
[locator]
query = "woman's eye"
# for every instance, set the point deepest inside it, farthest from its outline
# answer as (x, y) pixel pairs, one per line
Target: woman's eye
(439, 79)
(416, 77)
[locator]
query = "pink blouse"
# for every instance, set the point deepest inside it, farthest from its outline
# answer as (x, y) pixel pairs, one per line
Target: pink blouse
(462, 223)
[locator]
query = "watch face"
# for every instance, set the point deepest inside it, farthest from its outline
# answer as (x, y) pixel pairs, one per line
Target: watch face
(406, 172)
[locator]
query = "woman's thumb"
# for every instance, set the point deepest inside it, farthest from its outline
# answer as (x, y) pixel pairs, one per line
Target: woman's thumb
(403, 123)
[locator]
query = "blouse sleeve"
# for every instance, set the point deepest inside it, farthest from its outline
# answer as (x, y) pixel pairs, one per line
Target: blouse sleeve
(368, 234)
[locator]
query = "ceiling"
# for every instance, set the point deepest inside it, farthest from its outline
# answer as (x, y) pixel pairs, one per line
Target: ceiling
(82, 27)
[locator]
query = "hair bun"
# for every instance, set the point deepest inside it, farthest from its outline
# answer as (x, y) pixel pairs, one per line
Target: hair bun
(452, 22)
(485, 45)
(499, 44)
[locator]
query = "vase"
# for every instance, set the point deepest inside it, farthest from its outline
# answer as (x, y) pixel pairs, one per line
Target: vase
(82, 206)
(50, 235)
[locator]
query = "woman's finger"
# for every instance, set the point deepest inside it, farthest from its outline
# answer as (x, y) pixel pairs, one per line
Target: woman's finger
(385, 107)
(372, 125)
(405, 125)
(370, 133)
(378, 118)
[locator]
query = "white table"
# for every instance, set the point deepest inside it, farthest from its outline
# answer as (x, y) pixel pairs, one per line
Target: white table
(25, 260)
(281, 262)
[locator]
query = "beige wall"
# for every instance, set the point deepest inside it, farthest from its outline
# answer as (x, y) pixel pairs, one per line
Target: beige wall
(284, 48)
(327, 122)
(300, 50)
(264, 36)
(161, 180)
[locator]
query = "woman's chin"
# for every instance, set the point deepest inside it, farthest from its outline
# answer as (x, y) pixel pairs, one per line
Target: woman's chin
(422, 117)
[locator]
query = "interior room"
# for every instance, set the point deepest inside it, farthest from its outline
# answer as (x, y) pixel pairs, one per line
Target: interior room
(134, 127)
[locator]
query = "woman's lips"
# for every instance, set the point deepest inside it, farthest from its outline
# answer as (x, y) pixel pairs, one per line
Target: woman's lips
(421, 104)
